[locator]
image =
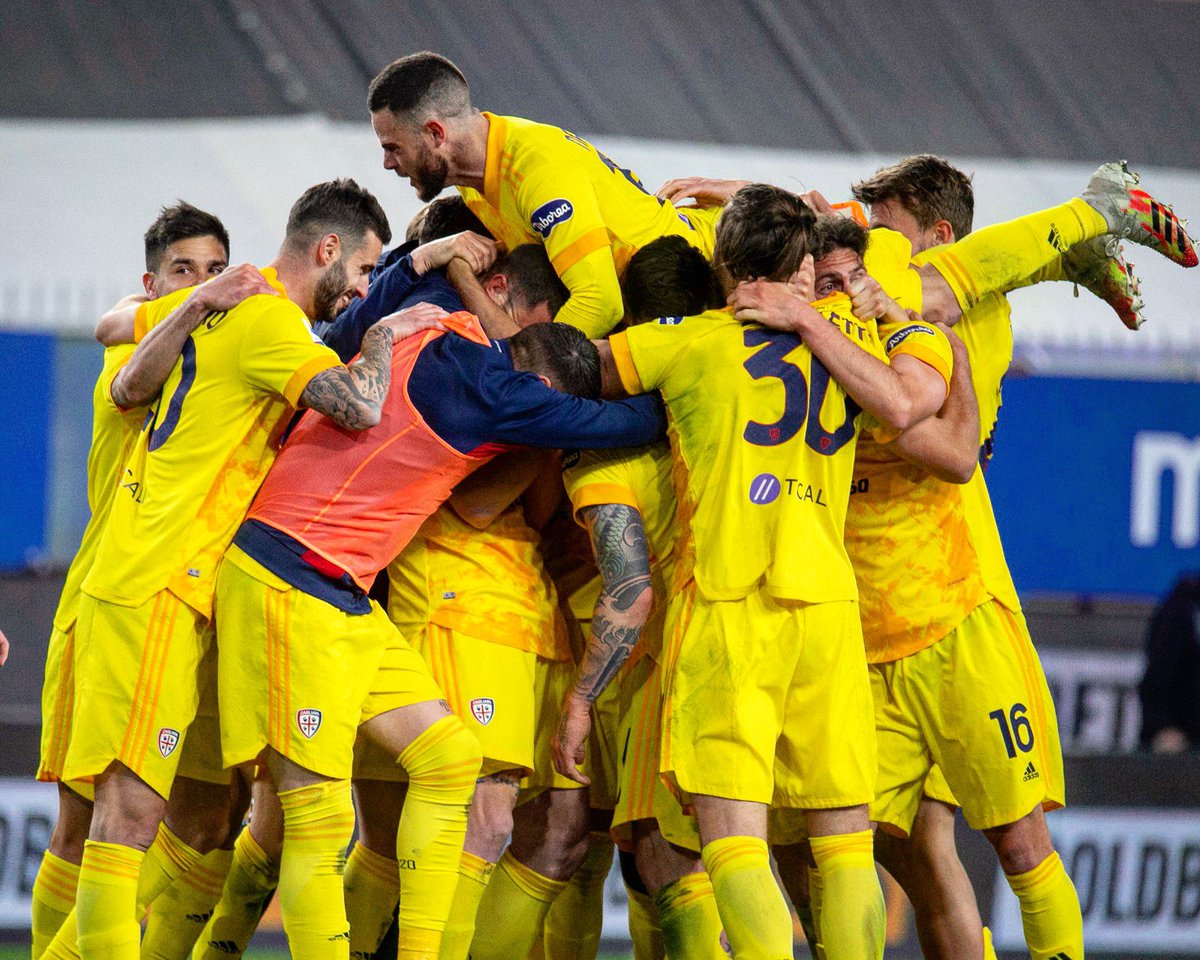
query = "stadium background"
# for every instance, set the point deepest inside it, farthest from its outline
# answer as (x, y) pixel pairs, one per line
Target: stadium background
(110, 110)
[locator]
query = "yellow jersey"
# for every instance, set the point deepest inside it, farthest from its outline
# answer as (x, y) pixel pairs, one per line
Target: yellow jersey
(641, 478)
(545, 185)
(927, 553)
(114, 433)
(489, 584)
(206, 445)
(763, 441)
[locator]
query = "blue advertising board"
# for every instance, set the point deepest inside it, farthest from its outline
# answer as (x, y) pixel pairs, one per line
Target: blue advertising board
(26, 404)
(1096, 484)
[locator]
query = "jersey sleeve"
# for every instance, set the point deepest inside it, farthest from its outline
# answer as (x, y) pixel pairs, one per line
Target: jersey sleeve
(153, 312)
(645, 353)
(888, 259)
(564, 212)
(704, 222)
(281, 354)
(597, 477)
(923, 341)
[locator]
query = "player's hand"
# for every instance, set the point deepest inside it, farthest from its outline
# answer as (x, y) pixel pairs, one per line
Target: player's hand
(820, 206)
(414, 319)
(570, 739)
(706, 191)
(3, 648)
(231, 286)
(479, 252)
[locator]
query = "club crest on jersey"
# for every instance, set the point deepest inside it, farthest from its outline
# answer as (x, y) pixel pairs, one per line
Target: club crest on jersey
(168, 740)
(549, 215)
(669, 321)
(483, 709)
(309, 722)
(764, 489)
(900, 336)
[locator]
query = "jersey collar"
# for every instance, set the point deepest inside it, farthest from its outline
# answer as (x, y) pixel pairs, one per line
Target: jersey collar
(272, 278)
(497, 135)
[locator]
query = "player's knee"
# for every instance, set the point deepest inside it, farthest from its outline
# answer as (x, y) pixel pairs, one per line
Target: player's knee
(1021, 846)
(443, 762)
(70, 832)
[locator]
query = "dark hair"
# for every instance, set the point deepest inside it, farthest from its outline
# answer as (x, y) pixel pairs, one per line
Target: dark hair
(337, 206)
(764, 231)
(561, 353)
(181, 222)
(531, 277)
(927, 187)
(419, 85)
(445, 217)
(836, 233)
(669, 277)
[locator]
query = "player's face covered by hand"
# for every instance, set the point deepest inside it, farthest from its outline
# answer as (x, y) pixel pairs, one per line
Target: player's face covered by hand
(837, 271)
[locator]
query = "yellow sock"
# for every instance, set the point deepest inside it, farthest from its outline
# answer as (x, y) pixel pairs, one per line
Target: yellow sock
(180, 912)
(168, 859)
(691, 926)
(512, 911)
(644, 929)
(53, 897)
(756, 919)
(106, 912)
(853, 916)
(442, 765)
(252, 879)
(473, 876)
(1002, 256)
(372, 892)
(989, 951)
(1049, 911)
(816, 900)
(572, 930)
(317, 823)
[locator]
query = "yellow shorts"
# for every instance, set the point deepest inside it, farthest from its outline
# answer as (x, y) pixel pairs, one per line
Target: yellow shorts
(136, 687)
(936, 787)
(200, 758)
(299, 675)
(768, 701)
(976, 704)
(600, 763)
(641, 794)
(58, 702)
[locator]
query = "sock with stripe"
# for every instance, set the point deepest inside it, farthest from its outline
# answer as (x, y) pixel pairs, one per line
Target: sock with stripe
(1049, 911)
(249, 886)
(442, 765)
(473, 876)
(180, 912)
(53, 898)
(106, 909)
(1003, 256)
(753, 912)
(853, 917)
(317, 823)
(644, 929)
(512, 911)
(372, 892)
(573, 925)
(691, 926)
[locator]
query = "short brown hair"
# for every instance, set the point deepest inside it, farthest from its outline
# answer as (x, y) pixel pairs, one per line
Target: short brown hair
(838, 233)
(420, 85)
(181, 222)
(927, 187)
(336, 206)
(669, 277)
(764, 231)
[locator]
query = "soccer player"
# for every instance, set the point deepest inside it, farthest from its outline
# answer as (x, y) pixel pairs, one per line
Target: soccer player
(183, 247)
(528, 182)
(143, 623)
(763, 436)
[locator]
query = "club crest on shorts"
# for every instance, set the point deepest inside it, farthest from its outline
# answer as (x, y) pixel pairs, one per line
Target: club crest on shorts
(309, 722)
(168, 740)
(483, 709)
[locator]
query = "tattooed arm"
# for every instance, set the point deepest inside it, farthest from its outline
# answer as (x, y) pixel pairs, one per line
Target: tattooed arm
(619, 542)
(352, 396)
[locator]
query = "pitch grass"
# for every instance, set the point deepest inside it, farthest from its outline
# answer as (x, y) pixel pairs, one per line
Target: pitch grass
(20, 951)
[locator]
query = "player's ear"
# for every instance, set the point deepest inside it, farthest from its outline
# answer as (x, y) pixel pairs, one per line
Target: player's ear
(329, 248)
(436, 130)
(545, 379)
(943, 232)
(149, 284)
(496, 287)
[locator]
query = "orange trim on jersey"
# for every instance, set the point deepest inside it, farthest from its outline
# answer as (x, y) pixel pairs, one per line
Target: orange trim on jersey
(303, 376)
(928, 355)
(597, 494)
(589, 243)
(497, 134)
(141, 324)
(271, 275)
(626, 368)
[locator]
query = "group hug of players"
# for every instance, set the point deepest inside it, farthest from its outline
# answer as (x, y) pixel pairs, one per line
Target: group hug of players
(798, 624)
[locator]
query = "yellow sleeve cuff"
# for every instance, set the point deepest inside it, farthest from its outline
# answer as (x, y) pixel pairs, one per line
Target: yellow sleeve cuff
(597, 494)
(932, 357)
(571, 254)
(626, 368)
(141, 321)
(302, 377)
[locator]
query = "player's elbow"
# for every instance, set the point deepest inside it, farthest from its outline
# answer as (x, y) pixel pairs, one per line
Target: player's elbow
(958, 469)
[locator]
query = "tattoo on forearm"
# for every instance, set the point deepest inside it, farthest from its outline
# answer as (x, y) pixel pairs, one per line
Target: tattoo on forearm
(619, 541)
(353, 396)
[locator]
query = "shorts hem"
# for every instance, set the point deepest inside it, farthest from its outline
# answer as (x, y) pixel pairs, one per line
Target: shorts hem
(993, 819)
